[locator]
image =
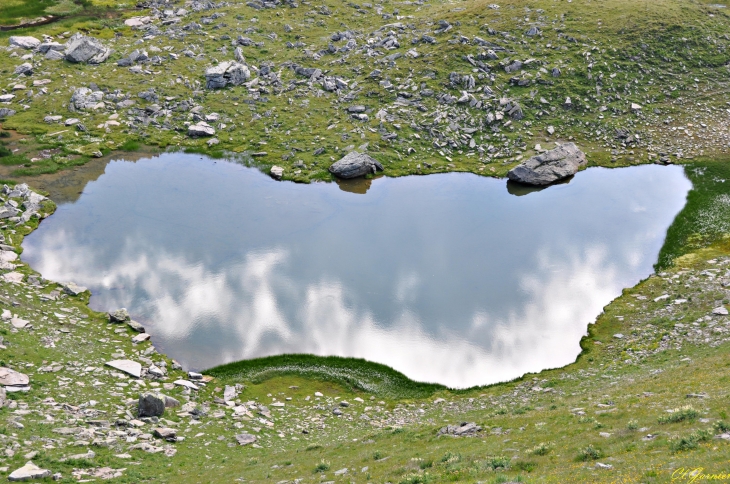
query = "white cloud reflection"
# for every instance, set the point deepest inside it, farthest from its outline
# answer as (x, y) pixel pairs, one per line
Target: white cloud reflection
(240, 306)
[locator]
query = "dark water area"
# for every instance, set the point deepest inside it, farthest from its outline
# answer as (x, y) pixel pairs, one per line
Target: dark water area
(452, 278)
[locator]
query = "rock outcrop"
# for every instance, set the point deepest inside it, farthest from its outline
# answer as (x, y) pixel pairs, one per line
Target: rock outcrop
(355, 164)
(549, 167)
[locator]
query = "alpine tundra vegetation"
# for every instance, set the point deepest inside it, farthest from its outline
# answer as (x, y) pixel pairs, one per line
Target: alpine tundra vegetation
(309, 90)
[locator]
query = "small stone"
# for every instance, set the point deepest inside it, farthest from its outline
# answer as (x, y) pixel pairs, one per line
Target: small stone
(73, 289)
(720, 311)
(245, 439)
(166, 433)
(140, 338)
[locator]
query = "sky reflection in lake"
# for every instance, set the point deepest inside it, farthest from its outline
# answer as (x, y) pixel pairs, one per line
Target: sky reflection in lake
(448, 278)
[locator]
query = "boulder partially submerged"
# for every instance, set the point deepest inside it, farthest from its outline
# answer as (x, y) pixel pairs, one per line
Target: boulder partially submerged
(226, 73)
(355, 164)
(549, 167)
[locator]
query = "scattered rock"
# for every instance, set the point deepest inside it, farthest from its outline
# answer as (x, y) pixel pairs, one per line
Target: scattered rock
(464, 429)
(167, 434)
(200, 129)
(71, 288)
(24, 42)
(245, 439)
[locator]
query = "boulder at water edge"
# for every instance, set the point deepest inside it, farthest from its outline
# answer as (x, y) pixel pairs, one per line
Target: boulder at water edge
(355, 164)
(549, 167)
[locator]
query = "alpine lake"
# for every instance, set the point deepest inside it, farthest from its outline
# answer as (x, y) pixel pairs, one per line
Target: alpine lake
(451, 278)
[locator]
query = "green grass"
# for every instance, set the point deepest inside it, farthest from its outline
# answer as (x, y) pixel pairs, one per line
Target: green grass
(705, 218)
(353, 373)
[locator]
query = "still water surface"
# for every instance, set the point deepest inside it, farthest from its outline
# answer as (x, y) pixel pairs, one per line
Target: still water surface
(449, 278)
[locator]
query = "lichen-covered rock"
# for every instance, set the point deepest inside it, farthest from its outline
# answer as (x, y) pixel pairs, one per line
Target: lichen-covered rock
(119, 316)
(549, 167)
(355, 164)
(6, 112)
(226, 73)
(83, 49)
(151, 405)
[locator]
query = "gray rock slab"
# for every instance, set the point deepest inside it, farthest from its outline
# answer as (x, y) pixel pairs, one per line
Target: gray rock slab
(28, 472)
(10, 377)
(127, 366)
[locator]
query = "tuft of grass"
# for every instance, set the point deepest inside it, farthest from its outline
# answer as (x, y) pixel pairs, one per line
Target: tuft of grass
(542, 448)
(589, 453)
(323, 466)
(691, 441)
(632, 425)
(680, 415)
(354, 373)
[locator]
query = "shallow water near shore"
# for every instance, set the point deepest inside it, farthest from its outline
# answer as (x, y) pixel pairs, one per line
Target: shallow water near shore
(451, 278)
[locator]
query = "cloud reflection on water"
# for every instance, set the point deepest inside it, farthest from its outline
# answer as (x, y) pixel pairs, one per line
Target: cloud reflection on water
(468, 295)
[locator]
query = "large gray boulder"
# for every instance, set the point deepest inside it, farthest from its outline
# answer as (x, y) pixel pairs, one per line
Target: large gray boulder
(24, 42)
(84, 99)
(355, 164)
(549, 167)
(82, 49)
(151, 405)
(226, 73)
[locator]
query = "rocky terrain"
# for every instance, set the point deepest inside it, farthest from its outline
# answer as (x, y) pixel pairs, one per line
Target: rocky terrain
(420, 86)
